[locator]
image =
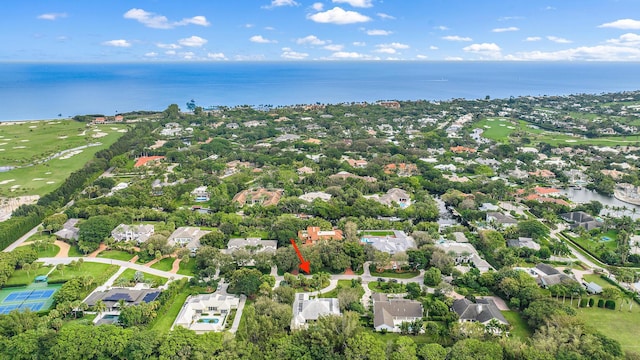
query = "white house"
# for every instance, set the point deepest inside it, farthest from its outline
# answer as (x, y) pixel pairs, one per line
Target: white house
(305, 309)
(187, 237)
(206, 312)
(137, 233)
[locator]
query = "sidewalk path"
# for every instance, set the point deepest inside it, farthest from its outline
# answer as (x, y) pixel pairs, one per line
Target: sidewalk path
(238, 317)
(123, 264)
(101, 248)
(22, 239)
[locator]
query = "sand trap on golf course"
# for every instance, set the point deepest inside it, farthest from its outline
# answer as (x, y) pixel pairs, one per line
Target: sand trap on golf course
(5, 182)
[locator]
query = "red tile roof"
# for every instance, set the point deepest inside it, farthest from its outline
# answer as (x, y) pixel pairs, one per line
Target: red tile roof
(142, 161)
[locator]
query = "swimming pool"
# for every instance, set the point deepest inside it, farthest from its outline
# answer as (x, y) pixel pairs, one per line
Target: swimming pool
(209, 320)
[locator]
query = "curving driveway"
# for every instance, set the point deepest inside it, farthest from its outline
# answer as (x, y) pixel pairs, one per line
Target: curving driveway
(122, 264)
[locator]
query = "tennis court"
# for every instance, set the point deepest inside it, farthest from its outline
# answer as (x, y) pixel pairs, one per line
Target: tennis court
(34, 297)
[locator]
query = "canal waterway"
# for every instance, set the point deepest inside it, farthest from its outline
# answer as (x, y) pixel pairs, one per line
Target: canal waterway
(612, 206)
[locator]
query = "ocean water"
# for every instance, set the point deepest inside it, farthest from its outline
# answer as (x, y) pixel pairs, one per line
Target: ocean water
(43, 91)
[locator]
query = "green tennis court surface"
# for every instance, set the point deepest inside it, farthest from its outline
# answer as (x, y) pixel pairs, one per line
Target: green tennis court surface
(34, 297)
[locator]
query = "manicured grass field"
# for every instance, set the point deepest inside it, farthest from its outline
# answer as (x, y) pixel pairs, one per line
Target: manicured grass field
(32, 142)
(164, 322)
(520, 328)
(396, 289)
(74, 251)
(116, 255)
(619, 325)
(129, 274)
(377, 233)
(49, 250)
(342, 284)
(99, 272)
(20, 277)
(188, 269)
(392, 337)
(165, 264)
(396, 275)
(597, 279)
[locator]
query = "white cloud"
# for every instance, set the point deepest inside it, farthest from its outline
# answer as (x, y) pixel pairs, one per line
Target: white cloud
(507, 29)
(287, 53)
(278, 3)
(558, 40)
(507, 18)
(156, 21)
(117, 43)
(52, 16)
(395, 45)
(355, 3)
(170, 52)
(261, 40)
(422, 57)
(441, 28)
(188, 55)
(249, 26)
(433, 47)
(489, 50)
(533, 38)
(193, 41)
(270, 28)
(253, 57)
(359, 43)
(168, 46)
(628, 39)
(378, 32)
(583, 53)
(311, 40)
(456, 38)
(453, 58)
(317, 6)
(151, 54)
(348, 55)
(386, 50)
(626, 24)
(216, 56)
(339, 16)
(385, 16)
(334, 47)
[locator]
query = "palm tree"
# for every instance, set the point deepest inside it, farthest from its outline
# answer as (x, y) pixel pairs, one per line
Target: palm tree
(27, 268)
(60, 267)
(99, 307)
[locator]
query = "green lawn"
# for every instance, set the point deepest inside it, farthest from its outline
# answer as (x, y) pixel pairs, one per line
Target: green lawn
(129, 273)
(164, 321)
(616, 324)
(116, 255)
(20, 277)
(392, 337)
(341, 285)
(377, 233)
(520, 328)
(188, 269)
(396, 275)
(394, 288)
(99, 272)
(49, 250)
(597, 279)
(42, 141)
(74, 251)
(165, 264)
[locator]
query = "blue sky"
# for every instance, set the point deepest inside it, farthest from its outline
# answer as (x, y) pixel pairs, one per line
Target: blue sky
(297, 30)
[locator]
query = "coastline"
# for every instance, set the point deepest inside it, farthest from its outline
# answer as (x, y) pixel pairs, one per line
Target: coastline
(625, 199)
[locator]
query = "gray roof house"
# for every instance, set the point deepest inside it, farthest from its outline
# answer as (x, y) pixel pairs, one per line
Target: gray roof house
(187, 237)
(137, 233)
(581, 219)
(305, 309)
(130, 296)
(398, 196)
(388, 314)
(255, 245)
(592, 288)
(549, 276)
(392, 244)
(482, 311)
(500, 219)
(523, 242)
(69, 230)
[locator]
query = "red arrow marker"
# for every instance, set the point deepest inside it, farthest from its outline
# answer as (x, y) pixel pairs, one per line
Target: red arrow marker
(304, 265)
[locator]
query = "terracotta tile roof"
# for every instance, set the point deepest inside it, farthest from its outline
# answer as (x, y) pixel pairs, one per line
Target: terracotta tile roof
(142, 161)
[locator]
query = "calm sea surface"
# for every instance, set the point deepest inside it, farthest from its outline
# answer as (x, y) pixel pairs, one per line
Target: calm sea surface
(42, 91)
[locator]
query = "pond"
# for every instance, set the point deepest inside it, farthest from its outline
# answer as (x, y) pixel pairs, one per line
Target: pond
(612, 206)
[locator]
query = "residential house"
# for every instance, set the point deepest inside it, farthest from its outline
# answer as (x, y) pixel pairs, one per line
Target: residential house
(343, 175)
(206, 312)
(488, 207)
(464, 253)
(389, 104)
(305, 170)
(581, 219)
(549, 276)
(306, 310)
(482, 311)
(253, 245)
(392, 244)
(232, 126)
(592, 288)
(147, 160)
(460, 237)
(395, 196)
(402, 169)
(543, 173)
(287, 137)
(200, 194)
(500, 220)
(462, 149)
(69, 230)
(114, 297)
(313, 234)
(361, 163)
(388, 314)
(187, 237)
(260, 196)
(137, 233)
(524, 242)
(309, 197)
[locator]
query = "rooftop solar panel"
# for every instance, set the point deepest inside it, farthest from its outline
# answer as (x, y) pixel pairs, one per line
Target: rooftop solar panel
(151, 296)
(118, 296)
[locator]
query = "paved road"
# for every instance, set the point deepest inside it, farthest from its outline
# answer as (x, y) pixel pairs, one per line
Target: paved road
(22, 239)
(124, 264)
